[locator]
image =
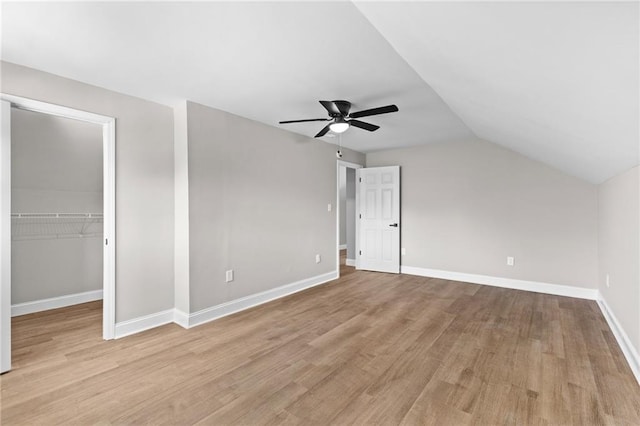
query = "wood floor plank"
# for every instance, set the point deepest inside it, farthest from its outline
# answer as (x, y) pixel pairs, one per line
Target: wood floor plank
(368, 348)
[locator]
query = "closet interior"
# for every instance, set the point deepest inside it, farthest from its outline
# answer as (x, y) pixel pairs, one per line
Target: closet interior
(56, 211)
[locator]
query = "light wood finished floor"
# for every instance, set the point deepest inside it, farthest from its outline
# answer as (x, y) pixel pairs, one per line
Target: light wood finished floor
(366, 349)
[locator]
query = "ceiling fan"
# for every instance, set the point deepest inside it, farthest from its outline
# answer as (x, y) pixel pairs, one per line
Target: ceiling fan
(341, 119)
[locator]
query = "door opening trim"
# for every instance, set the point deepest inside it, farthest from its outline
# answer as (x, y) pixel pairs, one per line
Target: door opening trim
(109, 188)
(341, 163)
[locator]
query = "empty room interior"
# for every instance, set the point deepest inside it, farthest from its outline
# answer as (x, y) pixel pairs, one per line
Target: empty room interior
(346, 212)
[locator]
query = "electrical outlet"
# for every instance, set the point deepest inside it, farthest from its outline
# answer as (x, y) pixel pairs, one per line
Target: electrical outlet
(318, 259)
(403, 251)
(229, 276)
(510, 260)
(607, 281)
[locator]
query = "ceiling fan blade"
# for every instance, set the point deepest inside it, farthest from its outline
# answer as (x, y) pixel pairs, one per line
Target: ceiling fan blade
(330, 107)
(366, 126)
(303, 121)
(323, 131)
(374, 111)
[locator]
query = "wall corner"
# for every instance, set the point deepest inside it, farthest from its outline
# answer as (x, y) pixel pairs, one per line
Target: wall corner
(181, 206)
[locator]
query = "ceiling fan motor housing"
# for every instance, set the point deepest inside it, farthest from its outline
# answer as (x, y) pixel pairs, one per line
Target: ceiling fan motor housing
(343, 106)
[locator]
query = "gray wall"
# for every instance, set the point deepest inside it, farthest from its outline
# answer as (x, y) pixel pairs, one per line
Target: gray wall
(618, 249)
(466, 206)
(144, 183)
(258, 200)
(56, 167)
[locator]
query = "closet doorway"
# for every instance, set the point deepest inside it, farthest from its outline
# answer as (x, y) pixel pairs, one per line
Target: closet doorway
(346, 213)
(57, 212)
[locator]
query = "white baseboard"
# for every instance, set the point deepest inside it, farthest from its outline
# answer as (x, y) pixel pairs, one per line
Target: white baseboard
(538, 287)
(55, 302)
(136, 325)
(181, 318)
(629, 351)
(350, 262)
(228, 308)
(342, 246)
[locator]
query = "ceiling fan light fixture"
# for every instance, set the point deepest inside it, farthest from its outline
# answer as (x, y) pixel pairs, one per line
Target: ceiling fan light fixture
(341, 119)
(339, 125)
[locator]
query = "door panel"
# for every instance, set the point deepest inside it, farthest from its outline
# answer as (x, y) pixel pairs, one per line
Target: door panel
(379, 219)
(387, 245)
(387, 204)
(370, 208)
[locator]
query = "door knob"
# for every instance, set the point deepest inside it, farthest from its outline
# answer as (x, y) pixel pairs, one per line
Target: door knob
(395, 225)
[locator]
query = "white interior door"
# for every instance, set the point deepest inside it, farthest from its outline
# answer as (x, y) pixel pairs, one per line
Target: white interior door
(5, 238)
(378, 238)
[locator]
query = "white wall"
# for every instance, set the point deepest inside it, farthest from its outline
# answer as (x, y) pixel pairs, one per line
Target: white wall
(466, 206)
(258, 199)
(619, 250)
(56, 167)
(144, 183)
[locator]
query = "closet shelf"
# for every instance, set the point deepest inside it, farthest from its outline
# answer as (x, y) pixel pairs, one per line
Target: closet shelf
(35, 226)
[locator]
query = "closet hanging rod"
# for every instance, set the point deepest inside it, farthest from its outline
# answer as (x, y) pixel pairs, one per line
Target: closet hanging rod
(55, 215)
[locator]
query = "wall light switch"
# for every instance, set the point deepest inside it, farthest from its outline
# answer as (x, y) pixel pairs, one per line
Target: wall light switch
(329, 207)
(607, 281)
(403, 251)
(318, 259)
(510, 261)
(229, 276)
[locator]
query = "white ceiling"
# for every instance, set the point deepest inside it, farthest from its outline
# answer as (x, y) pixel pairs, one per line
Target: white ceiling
(555, 82)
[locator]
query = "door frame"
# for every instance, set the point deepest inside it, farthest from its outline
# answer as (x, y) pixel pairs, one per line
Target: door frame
(5, 237)
(109, 214)
(347, 164)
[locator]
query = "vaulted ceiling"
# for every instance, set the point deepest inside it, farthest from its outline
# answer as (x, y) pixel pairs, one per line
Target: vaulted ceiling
(557, 82)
